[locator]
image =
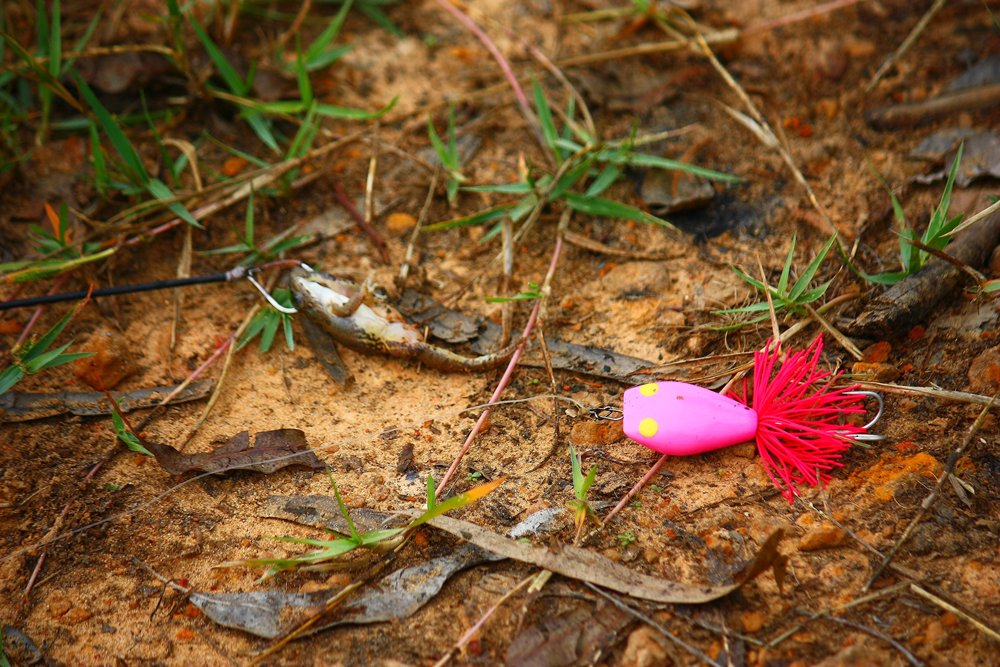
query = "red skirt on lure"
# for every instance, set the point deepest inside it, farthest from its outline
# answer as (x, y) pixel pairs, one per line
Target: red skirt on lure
(795, 416)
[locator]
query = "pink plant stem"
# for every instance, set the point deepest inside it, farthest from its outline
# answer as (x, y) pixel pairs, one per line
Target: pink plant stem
(505, 380)
(508, 72)
(191, 378)
(650, 474)
(373, 234)
(795, 17)
(41, 558)
(56, 286)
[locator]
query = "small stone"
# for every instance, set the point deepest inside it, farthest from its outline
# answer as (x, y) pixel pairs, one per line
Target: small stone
(594, 434)
(108, 365)
(59, 604)
(77, 615)
(824, 536)
(875, 372)
(753, 621)
(400, 223)
(644, 649)
(984, 372)
(877, 353)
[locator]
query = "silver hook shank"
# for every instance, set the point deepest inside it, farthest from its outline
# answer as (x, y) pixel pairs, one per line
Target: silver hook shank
(869, 437)
(267, 296)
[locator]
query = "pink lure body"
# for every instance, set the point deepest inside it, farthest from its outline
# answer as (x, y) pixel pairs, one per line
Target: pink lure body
(682, 419)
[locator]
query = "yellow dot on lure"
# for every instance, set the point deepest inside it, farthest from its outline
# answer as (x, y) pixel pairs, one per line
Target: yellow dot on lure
(648, 427)
(649, 389)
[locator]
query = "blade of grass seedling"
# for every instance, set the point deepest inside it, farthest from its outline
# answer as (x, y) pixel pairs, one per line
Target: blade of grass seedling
(604, 180)
(657, 162)
(549, 132)
(431, 492)
(48, 268)
(347, 113)
(236, 84)
(786, 270)
(939, 219)
(83, 41)
(302, 77)
(457, 501)
(607, 208)
(232, 150)
(262, 129)
(377, 16)
(571, 178)
(248, 219)
(267, 336)
(133, 163)
(127, 438)
(807, 276)
(159, 189)
(319, 54)
(343, 509)
(502, 188)
(489, 215)
(519, 210)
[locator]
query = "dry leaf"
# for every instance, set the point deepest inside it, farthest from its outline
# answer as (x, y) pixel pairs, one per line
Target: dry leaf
(583, 565)
(271, 451)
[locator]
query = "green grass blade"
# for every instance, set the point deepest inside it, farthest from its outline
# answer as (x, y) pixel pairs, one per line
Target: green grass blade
(657, 162)
(810, 272)
(377, 16)
(607, 208)
(233, 80)
(159, 190)
(489, 215)
(317, 55)
(455, 502)
(604, 180)
(133, 163)
(549, 132)
(786, 270)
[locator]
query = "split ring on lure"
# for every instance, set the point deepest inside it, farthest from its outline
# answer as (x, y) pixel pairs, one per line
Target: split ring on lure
(794, 417)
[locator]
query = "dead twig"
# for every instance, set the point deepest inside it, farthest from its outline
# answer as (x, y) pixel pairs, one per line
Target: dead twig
(618, 602)
(914, 113)
(901, 50)
(958, 453)
(478, 625)
(932, 392)
(373, 234)
(878, 634)
(979, 623)
(411, 245)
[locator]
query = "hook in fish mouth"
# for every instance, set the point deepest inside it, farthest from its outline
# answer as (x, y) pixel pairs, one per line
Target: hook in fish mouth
(251, 275)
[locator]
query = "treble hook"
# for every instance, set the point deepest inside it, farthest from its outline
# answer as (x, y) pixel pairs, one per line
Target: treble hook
(869, 437)
(607, 413)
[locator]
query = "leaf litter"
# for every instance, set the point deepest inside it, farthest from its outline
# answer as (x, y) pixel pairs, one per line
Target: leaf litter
(271, 451)
(718, 502)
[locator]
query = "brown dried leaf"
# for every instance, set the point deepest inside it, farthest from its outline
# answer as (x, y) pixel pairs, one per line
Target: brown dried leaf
(583, 565)
(271, 451)
(579, 636)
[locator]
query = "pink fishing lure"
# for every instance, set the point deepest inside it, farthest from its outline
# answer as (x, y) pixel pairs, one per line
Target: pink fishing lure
(795, 416)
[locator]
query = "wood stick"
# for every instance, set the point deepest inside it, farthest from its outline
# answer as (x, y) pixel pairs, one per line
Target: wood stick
(912, 298)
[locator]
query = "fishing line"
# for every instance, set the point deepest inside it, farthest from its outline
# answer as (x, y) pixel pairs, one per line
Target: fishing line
(156, 499)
